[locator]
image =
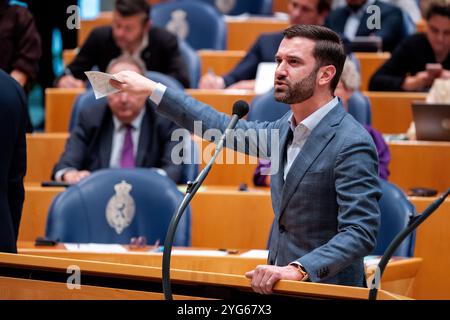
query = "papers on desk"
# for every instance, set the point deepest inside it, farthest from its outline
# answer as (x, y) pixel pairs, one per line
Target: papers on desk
(100, 83)
(95, 247)
(262, 254)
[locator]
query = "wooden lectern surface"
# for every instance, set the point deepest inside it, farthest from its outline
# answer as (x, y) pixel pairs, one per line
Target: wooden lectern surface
(152, 274)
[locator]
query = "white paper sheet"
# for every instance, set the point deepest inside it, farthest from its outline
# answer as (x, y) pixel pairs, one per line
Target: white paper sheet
(95, 247)
(100, 83)
(265, 77)
(209, 253)
(263, 254)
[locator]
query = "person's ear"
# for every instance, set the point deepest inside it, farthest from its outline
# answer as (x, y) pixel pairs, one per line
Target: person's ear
(326, 75)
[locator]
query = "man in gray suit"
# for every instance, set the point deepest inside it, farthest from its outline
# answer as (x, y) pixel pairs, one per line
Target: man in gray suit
(325, 195)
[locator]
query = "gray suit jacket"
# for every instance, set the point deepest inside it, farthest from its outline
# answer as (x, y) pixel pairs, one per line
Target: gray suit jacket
(326, 212)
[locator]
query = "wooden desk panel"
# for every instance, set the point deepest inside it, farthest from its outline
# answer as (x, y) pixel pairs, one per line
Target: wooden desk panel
(221, 100)
(243, 33)
(420, 164)
(220, 62)
(433, 246)
(58, 108)
(59, 103)
(391, 111)
(192, 279)
(398, 277)
(43, 151)
(223, 212)
(370, 62)
(86, 26)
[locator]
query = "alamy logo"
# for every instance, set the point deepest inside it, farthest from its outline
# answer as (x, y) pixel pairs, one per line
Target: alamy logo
(374, 21)
(74, 280)
(73, 22)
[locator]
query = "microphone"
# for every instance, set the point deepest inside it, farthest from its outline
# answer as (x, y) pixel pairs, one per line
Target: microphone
(413, 224)
(240, 109)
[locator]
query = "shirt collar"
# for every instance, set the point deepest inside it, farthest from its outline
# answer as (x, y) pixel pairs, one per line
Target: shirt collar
(135, 124)
(313, 119)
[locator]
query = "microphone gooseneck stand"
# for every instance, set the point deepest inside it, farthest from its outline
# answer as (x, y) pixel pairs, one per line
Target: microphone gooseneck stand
(240, 109)
(413, 224)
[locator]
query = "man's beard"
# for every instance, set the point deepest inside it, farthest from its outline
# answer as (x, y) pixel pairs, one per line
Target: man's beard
(299, 91)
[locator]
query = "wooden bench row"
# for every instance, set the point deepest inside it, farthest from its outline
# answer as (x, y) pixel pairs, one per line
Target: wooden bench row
(391, 111)
(245, 220)
(413, 164)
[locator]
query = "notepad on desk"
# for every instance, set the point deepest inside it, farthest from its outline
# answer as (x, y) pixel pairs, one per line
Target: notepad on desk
(95, 247)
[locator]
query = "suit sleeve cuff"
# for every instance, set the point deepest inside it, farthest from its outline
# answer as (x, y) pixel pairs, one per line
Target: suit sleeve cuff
(158, 94)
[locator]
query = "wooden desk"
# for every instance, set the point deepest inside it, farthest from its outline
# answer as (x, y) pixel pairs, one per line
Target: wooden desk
(398, 277)
(45, 278)
(391, 111)
(58, 108)
(221, 100)
(86, 26)
(420, 164)
(236, 38)
(59, 103)
(370, 62)
(242, 34)
(220, 62)
(245, 220)
(43, 151)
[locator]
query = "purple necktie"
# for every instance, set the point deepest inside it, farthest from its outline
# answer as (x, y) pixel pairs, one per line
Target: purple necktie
(127, 157)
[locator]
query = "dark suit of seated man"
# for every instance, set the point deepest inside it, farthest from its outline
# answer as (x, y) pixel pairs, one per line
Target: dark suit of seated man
(266, 46)
(126, 133)
(353, 20)
(131, 34)
(13, 160)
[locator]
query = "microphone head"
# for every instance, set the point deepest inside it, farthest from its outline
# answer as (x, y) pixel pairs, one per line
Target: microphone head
(240, 108)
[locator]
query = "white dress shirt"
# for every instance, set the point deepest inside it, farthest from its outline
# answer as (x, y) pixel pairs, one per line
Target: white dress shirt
(119, 136)
(302, 131)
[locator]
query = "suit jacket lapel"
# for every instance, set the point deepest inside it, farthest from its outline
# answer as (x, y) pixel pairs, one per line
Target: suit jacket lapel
(145, 136)
(105, 144)
(277, 180)
(316, 142)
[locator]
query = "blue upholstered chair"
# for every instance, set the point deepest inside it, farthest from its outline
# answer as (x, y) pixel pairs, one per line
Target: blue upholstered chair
(198, 24)
(192, 61)
(396, 212)
(97, 210)
(265, 108)
(237, 7)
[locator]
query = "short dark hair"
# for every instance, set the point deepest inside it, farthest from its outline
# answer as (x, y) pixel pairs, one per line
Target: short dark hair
(128, 8)
(438, 7)
(328, 49)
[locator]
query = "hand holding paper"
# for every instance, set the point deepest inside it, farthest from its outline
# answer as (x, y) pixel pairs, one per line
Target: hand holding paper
(100, 83)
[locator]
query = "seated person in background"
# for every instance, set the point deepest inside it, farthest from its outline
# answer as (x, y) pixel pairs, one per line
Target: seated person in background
(420, 58)
(409, 6)
(349, 83)
(131, 34)
(21, 43)
(266, 46)
(125, 133)
(353, 20)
